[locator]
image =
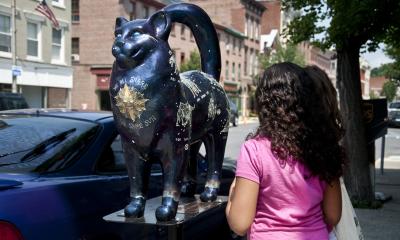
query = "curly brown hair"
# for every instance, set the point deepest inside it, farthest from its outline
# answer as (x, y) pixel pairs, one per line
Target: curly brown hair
(298, 113)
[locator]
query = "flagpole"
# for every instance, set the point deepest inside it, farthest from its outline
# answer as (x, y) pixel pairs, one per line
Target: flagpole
(13, 45)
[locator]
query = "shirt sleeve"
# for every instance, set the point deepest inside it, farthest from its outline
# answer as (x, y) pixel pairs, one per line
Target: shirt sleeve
(248, 165)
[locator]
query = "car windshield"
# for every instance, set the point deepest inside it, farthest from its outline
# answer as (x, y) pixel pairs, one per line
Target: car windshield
(41, 144)
(394, 105)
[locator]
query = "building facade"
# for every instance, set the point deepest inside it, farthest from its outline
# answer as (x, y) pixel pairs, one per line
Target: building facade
(365, 75)
(376, 85)
(326, 60)
(245, 17)
(92, 58)
(43, 52)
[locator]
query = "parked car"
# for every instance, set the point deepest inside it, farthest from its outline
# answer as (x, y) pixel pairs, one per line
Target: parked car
(62, 171)
(12, 101)
(394, 114)
(234, 117)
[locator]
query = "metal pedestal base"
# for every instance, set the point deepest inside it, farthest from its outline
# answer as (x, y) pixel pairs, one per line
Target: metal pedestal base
(194, 220)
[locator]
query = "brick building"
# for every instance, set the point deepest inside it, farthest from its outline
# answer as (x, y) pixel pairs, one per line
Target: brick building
(245, 16)
(376, 85)
(326, 60)
(43, 53)
(93, 35)
(365, 74)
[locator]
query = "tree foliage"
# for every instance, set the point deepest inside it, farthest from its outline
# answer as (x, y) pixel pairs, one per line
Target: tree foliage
(288, 53)
(367, 22)
(354, 25)
(388, 70)
(194, 62)
(389, 90)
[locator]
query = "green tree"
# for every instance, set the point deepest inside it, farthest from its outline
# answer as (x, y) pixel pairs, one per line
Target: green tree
(388, 70)
(389, 90)
(193, 63)
(354, 25)
(372, 95)
(393, 71)
(290, 53)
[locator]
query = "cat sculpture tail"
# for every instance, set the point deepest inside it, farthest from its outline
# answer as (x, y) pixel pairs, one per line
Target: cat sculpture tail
(204, 34)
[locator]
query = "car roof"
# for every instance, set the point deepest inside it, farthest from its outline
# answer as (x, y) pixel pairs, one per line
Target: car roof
(93, 116)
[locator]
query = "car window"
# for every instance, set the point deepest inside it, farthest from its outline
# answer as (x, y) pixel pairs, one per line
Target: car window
(14, 102)
(394, 105)
(42, 144)
(112, 158)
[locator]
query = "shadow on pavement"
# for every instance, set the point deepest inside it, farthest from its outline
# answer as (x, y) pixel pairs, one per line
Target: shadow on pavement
(383, 223)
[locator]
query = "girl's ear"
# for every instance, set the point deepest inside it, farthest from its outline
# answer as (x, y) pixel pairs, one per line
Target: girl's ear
(120, 21)
(161, 24)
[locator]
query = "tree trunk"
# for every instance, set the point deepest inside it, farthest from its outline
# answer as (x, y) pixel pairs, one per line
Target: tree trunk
(357, 172)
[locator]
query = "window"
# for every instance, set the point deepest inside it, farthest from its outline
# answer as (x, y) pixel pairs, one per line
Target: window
(234, 46)
(33, 39)
(182, 31)
(112, 159)
(251, 62)
(182, 58)
(256, 26)
(75, 46)
(191, 37)
(228, 44)
(227, 70)
(233, 72)
(75, 49)
(5, 34)
(56, 45)
(72, 139)
(251, 28)
(255, 71)
(173, 30)
(246, 26)
(245, 61)
(239, 70)
(75, 11)
(146, 12)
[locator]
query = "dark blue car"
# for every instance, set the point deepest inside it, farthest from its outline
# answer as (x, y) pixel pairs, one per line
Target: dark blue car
(61, 172)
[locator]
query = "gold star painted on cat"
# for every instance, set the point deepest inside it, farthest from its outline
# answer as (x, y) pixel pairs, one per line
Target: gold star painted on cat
(130, 102)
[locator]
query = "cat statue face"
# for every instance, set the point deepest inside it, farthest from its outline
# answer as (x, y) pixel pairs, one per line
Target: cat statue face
(135, 40)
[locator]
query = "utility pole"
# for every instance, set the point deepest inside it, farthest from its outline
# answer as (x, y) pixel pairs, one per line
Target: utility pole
(13, 45)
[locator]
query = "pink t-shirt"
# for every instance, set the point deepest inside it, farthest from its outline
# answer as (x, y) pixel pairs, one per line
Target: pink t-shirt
(289, 199)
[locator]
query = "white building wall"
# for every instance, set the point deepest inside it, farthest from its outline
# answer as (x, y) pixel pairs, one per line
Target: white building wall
(33, 74)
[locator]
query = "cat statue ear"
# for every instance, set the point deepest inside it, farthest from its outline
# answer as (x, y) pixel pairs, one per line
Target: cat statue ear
(161, 24)
(120, 21)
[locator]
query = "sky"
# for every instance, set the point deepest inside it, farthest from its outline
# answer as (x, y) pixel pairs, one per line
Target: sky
(375, 59)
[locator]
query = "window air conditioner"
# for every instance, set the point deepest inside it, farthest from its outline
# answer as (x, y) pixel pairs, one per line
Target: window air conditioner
(75, 57)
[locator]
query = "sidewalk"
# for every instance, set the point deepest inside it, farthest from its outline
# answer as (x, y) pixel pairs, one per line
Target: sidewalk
(383, 223)
(247, 120)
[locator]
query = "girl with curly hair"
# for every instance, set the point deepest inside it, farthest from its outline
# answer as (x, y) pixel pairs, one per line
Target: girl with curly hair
(287, 176)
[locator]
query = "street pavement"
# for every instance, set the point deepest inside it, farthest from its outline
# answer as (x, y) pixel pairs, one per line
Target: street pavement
(376, 224)
(384, 223)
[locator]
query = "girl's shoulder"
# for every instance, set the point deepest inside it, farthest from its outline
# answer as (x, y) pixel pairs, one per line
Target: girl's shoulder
(258, 146)
(258, 142)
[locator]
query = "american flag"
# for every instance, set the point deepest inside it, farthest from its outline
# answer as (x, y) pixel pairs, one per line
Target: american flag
(44, 9)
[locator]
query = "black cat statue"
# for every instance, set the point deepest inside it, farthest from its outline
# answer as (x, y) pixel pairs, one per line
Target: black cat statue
(163, 116)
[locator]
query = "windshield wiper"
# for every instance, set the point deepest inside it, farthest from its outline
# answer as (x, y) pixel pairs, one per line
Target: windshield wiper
(44, 146)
